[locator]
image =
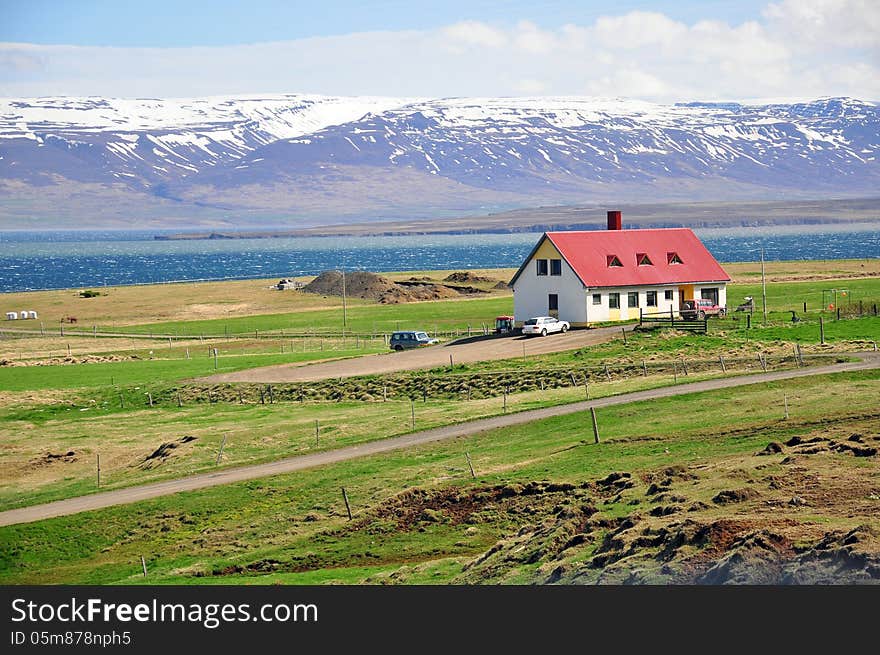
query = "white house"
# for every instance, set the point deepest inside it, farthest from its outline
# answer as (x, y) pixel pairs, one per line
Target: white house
(610, 275)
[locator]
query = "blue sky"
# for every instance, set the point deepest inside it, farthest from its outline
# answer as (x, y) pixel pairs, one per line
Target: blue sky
(167, 23)
(662, 51)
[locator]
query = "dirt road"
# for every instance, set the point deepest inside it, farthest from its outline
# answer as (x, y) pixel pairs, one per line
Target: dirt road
(155, 490)
(463, 351)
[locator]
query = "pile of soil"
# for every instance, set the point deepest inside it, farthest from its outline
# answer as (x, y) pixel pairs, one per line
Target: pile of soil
(466, 277)
(359, 284)
(52, 458)
(163, 452)
(371, 286)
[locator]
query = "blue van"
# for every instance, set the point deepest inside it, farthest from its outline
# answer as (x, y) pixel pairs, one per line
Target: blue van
(410, 339)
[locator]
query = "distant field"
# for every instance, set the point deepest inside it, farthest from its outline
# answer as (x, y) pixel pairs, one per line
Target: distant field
(244, 306)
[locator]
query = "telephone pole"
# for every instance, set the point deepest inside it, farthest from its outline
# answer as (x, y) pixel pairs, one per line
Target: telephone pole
(763, 288)
(343, 302)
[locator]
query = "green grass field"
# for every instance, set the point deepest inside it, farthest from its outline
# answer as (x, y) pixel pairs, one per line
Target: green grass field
(296, 522)
(293, 526)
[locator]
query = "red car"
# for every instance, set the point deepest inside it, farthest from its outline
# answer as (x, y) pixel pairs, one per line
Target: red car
(700, 308)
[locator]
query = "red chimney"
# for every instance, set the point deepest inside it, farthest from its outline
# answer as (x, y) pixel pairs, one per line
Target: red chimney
(615, 222)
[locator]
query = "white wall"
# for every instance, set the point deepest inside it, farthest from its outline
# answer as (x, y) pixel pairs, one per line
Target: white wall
(601, 313)
(531, 290)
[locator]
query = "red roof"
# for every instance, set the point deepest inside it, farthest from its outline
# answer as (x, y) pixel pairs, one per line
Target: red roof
(591, 253)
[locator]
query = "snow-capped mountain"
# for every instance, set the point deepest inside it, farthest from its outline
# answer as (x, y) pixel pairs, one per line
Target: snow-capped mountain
(297, 158)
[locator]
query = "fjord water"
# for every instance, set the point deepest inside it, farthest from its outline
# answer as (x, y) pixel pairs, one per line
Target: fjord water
(58, 260)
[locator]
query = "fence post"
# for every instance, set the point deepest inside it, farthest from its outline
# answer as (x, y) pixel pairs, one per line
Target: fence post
(785, 402)
(723, 367)
(98, 456)
(317, 431)
(144, 565)
(470, 465)
(595, 424)
(623, 331)
(347, 506)
(821, 331)
(220, 452)
(644, 369)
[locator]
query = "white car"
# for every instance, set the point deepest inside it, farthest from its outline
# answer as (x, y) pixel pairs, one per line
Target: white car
(544, 325)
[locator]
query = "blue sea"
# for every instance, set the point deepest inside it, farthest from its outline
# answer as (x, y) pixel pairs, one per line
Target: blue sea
(58, 260)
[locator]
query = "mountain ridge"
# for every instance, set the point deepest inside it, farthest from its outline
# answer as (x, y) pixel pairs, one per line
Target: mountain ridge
(305, 160)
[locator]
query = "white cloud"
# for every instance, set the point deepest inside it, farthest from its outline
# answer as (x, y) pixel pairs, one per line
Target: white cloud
(638, 29)
(530, 38)
(474, 33)
(827, 24)
(797, 49)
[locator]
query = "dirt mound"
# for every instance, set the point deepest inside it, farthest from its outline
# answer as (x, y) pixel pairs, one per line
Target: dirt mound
(502, 285)
(53, 458)
(163, 452)
(734, 496)
(371, 286)
(359, 284)
(401, 293)
(755, 558)
(839, 558)
(466, 277)
(772, 448)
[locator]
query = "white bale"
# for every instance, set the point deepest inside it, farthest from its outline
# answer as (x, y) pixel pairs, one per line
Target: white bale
(11, 316)
(32, 314)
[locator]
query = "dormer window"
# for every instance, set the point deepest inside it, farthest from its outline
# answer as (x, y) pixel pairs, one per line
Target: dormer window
(613, 260)
(673, 258)
(643, 260)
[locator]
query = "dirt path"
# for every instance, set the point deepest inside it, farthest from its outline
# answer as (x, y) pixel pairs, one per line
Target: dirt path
(239, 474)
(462, 352)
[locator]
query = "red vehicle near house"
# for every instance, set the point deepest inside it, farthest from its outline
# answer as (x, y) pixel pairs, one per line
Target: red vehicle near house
(700, 308)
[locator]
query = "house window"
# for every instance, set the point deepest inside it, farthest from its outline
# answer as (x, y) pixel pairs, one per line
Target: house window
(709, 293)
(613, 301)
(667, 295)
(555, 267)
(673, 258)
(542, 266)
(553, 302)
(651, 298)
(632, 299)
(597, 298)
(643, 260)
(613, 260)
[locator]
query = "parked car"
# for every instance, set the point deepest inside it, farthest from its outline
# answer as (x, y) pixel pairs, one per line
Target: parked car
(410, 339)
(544, 325)
(700, 308)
